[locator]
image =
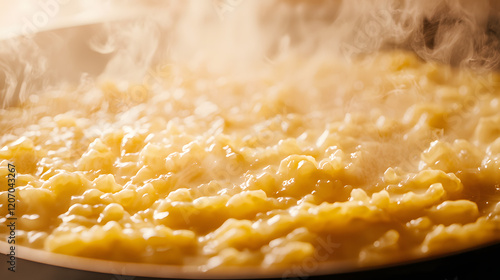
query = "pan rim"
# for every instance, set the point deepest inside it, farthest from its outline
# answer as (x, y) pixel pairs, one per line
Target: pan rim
(225, 272)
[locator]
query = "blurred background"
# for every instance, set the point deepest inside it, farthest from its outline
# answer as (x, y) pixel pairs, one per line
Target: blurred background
(29, 16)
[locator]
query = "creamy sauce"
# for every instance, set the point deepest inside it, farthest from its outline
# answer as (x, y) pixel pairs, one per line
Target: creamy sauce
(385, 159)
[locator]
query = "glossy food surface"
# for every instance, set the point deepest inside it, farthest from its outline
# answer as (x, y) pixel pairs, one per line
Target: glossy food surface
(386, 159)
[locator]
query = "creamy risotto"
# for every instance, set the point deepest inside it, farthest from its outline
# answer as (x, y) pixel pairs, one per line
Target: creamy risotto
(385, 159)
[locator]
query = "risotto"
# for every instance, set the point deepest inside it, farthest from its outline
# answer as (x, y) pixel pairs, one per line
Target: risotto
(386, 159)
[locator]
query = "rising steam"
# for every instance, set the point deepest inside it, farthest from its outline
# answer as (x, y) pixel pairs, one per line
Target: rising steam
(243, 35)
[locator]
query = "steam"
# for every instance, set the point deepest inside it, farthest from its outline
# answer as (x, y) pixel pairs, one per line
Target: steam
(22, 73)
(130, 60)
(241, 37)
(243, 34)
(460, 33)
